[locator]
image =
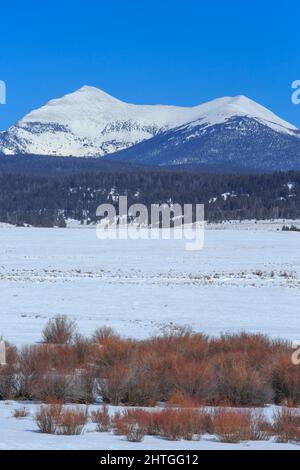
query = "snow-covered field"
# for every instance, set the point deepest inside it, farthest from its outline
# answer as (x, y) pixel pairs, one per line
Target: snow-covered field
(241, 280)
(23, 434)
(268, 225)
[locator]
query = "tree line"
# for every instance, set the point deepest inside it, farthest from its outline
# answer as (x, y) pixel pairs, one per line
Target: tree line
(47, 201)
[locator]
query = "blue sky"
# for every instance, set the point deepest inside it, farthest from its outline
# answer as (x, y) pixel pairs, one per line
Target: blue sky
(171, 52)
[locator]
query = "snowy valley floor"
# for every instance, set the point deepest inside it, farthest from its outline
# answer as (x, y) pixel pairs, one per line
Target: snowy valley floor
(22, 434)
(241, 280)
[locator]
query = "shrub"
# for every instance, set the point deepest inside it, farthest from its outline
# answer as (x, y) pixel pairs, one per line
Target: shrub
(85, 391)
(71, 421)
(8, 382)
(120, 425)
(103, 333)
(182, 368)
(180, 399)
(153, 426)
(8, 377)
(194, 379)
(232, 426)
(50, 400)
(240, 425)
(22, 412)
(238, 382)
(82, 349)
(122, 422)
(32, 365)
(59, 330)
(115, 351)
(102, 419)
(260, 427)
(184, 423)
(55, 419)
(142, 384)
(286, 424)
(52, 384)
(172, 424)
(135, 433)
(170, 427)
(193, 421)
(286, 379)
(113, 387)
(47, 418)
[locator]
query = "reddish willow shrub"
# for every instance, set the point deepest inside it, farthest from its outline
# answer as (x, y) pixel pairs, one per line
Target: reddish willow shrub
(286, 425)
(182, 400)
(229, 425)
(171, 423)
(55, 419)
(237, 370)
(233, 426)
(102, 419)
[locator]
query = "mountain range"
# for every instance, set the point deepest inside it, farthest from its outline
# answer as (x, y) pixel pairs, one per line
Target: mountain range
(232, 132)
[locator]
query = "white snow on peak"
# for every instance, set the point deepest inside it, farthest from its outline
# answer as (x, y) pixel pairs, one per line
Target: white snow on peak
(222, 109)
(91, 103)
(92, 122)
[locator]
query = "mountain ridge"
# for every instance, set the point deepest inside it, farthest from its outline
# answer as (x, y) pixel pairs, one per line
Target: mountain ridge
(90, 122)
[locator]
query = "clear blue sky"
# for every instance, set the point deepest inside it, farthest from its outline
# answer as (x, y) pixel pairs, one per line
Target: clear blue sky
(167, 51)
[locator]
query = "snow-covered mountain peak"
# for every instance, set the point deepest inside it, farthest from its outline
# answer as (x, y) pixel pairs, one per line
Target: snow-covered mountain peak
(222, 109)
(81, 104)
(244, 105)
(88, 92)
(90, 122)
